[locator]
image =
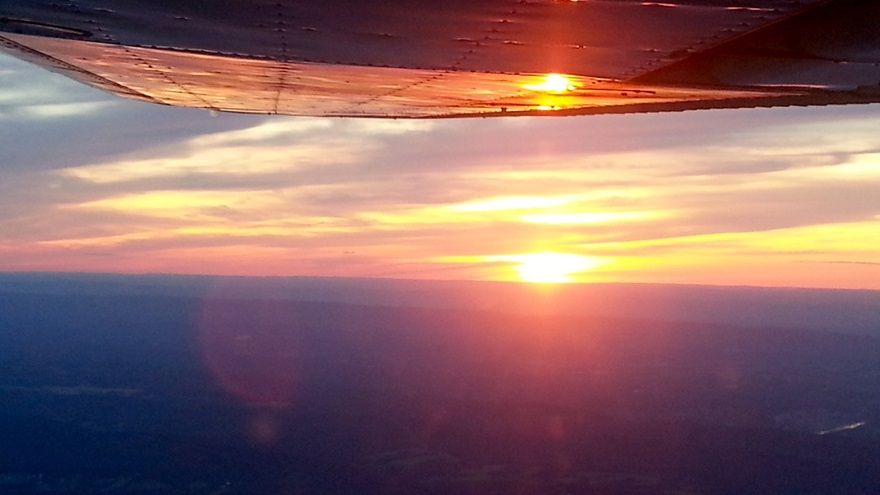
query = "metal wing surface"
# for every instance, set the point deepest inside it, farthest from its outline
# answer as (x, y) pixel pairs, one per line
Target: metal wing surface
(456, 58)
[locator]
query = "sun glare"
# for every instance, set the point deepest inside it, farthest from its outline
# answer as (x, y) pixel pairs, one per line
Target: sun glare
(552, 83)
(551, 267)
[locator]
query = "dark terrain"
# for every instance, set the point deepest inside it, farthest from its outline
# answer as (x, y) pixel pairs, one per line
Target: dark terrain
(205, 394)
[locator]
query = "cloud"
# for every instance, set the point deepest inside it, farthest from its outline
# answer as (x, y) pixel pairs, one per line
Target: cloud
(85, 176)
(51, 122)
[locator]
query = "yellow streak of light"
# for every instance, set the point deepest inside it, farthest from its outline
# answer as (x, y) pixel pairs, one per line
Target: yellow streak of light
(496, 208)
(100, 241)
(305, 228)
(830, 255)
(177, 203)
(826, 240)
(313, 228)
(587, 218)
(408, 218)
(514, 203)
(816, 240)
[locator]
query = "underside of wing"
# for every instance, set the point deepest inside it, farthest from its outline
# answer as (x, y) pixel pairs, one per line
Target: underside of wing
(457, 58)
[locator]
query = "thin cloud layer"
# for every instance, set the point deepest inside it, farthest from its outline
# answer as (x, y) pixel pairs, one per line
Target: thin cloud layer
(757, 197)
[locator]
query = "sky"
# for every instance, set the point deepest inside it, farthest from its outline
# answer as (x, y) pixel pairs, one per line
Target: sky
(91, 182)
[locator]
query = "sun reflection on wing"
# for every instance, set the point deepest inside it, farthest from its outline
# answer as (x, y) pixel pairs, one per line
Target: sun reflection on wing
(552, 83)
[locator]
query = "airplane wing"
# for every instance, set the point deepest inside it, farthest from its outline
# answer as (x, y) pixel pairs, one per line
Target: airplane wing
(456, 58)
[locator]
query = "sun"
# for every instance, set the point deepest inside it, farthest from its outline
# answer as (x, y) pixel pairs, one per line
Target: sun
(552, 83)
(552, 267)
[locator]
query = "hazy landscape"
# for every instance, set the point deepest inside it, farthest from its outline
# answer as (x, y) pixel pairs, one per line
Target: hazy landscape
(198, 385)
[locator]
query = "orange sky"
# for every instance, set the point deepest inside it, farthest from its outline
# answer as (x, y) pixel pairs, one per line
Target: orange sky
(784, 197)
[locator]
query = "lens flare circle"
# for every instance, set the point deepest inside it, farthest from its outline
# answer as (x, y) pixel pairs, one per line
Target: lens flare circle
(252, 347)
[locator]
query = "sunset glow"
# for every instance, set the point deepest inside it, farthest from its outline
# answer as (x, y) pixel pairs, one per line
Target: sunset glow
(783, 197)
